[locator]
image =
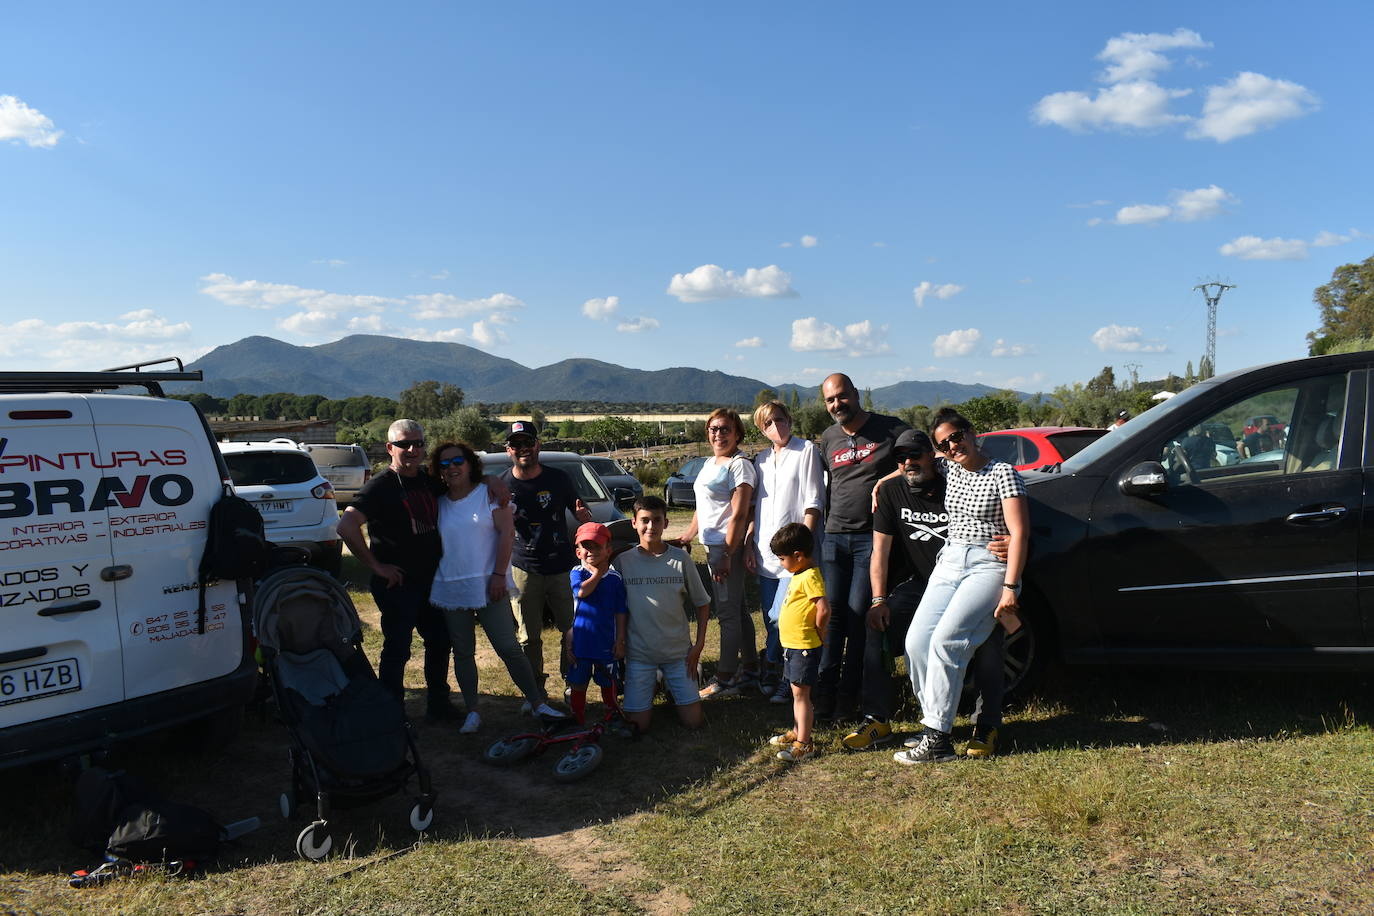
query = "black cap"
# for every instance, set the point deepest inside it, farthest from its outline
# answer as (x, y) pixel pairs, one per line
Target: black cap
(912, 440)
(1123, 414)
(522, 428)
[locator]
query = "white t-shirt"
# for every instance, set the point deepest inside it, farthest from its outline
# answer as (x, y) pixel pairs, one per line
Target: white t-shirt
(714, 486)
(469, 537)
(790, 481)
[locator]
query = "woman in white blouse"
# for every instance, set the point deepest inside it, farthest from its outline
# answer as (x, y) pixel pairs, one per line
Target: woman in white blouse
(791, 488)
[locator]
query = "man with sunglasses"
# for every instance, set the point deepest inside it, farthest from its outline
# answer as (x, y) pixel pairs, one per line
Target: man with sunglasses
(858, 452)
(400, 509)
(543, 553)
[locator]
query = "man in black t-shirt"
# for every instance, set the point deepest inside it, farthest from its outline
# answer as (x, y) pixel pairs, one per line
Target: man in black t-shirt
(543, 553)
(400, 509)
(857, 451)
(909, 528)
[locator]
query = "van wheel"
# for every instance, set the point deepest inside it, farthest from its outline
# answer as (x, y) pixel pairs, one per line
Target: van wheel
(1025, 656)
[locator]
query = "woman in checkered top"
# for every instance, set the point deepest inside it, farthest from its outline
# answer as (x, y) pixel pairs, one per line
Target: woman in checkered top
(970, 590)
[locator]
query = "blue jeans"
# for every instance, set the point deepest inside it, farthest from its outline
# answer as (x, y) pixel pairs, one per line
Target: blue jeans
(953, 619)
(405, 609)
(772, 648)
(844, 565)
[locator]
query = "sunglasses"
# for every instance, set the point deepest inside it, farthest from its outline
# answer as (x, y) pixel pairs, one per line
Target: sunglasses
(452, 462)
(516, 445)
(954, 439)
(720, 430)
(911, 455)
(408, 444)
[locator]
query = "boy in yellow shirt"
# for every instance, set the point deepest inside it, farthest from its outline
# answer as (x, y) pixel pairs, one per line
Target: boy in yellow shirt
(801, 623)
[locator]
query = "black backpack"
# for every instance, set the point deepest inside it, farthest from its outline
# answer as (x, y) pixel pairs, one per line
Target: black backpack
(116, 814)
(236, 546)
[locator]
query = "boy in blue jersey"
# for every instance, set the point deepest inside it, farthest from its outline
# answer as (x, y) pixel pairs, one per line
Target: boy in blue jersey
(597, 637)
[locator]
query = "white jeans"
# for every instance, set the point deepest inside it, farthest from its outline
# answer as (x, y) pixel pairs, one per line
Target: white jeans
(953, 619)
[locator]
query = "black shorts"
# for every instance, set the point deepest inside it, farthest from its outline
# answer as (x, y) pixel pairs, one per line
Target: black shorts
(802, 666)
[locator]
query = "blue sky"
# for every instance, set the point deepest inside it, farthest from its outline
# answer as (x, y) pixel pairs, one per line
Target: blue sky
(1011, 194)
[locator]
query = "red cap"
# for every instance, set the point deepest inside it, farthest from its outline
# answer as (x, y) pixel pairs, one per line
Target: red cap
(593, 531)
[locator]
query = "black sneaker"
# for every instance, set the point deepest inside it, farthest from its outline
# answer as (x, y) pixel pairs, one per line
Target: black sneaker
(932, 747)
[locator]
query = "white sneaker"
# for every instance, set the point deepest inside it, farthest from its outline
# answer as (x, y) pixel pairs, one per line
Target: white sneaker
(471, 724)
(545, 711)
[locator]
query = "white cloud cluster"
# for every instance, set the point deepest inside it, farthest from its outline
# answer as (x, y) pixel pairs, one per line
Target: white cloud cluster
(1001, 348)
(809, 241)
(138, 335)
(1254, 248)
(637, 325)
(429, 306)
(21, 124)
(712, 282)
(862, 338)
(1117, 338)
(1132, 100)
(749, 343)
(1183, 207)
(956, 343)
(255, 294)
(939, 291)
(602, 308)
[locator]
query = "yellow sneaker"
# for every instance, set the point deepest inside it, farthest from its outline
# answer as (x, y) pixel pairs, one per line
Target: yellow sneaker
(870, 734)
(798, 751)
(982, 744)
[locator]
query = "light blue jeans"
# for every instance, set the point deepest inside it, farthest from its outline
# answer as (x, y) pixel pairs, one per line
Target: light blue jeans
(953, 619)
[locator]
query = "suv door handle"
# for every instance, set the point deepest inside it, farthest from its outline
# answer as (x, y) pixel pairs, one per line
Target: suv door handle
(1329, 514)
(75, 607)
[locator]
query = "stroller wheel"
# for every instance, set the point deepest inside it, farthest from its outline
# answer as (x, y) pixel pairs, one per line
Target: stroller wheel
(314, 843)
(421, 816)
(506, 752)
(578, 763)
(286, 802)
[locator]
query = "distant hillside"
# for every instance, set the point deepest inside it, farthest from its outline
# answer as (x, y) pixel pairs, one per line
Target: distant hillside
(386, 366)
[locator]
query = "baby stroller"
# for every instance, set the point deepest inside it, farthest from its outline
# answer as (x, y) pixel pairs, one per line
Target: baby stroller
(350, 741)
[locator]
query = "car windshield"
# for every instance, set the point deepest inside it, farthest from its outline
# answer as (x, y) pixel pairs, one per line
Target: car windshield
(340, 456)
(1070, 444)
(269, 468)
(604, 466)
(586, 483)
(1083, 459)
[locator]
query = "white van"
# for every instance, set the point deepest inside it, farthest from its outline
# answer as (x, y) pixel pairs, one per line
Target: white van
(104, 503)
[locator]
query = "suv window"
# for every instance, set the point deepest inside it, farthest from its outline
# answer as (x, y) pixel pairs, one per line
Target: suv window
(1003, 448)
(604, 466)
(584, 481)
(269, 468)
(1290, 430)
(1070, 444)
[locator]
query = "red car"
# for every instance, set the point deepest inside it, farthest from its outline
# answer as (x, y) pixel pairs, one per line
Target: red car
(1037, 446)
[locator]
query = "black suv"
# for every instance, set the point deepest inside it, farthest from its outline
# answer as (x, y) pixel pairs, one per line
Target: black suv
(1153, 545)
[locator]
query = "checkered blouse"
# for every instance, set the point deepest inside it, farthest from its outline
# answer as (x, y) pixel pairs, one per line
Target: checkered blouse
(974, 499)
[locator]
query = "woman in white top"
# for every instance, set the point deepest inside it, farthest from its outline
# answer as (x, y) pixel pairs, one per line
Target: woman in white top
(791, 488)
(725, 495)
(470, 586)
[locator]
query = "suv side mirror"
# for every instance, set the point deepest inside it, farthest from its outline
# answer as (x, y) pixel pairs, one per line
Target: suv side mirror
(624, 497)
(1145, 479)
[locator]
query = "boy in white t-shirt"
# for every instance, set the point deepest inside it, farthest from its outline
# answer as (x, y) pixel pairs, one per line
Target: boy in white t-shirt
(657, 576)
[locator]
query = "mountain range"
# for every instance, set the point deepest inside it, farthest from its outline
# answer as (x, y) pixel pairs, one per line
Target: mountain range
(385, 366)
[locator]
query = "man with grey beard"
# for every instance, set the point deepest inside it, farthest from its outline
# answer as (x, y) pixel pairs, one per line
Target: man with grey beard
(908, 531)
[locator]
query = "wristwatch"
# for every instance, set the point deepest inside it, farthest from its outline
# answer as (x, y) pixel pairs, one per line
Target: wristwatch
(1015, 588)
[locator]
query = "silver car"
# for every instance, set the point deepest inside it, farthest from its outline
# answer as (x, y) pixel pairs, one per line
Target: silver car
(589, 487)
(345, 467)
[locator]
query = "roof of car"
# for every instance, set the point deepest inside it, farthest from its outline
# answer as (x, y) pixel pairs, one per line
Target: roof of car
(1043, 430)
(260, 447)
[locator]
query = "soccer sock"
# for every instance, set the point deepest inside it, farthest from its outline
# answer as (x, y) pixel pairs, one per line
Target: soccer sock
(608, 697)
(578, 702)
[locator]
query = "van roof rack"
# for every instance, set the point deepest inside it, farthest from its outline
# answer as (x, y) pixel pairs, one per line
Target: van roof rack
(87, 382)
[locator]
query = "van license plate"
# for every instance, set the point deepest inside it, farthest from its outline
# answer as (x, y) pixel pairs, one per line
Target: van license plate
(44, 680)
(278, 505)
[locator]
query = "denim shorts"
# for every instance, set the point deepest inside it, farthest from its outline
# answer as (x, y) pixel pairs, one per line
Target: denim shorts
(802, 666)
(641, 678)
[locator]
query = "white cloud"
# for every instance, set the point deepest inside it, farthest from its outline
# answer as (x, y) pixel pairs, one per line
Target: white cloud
(601, 309)
(1326, 239)
(750, 342)
(1200, 203)
(1089, 205)
(1254, 248)
(711, 282)
(135, 336)
(956, 343)
(809, 241)
(1139, 105)
(1121, 339)
(1250, 102)
(785, 245)
(430, 306)
(636, 325)
(880, 244)
(862, 338)
(1002, 348)
(256, 294)
(1142, 213)
(484, 333)
(1135, 55)
(330, 262)
(1035, 379)
(939, 291)
(21, 124)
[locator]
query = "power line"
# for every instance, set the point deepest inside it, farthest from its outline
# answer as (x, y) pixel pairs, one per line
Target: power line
(1211, 291)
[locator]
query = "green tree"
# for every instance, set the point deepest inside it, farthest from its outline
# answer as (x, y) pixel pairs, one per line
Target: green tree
(1346, 306)
(569, 429)
(694, 430)
(810, 421)
(917, 416)
(465, 423)
(1104, 382)
(868, 399)
(537, 418)
(794, 402)
(992, 411)
(429, 398)
(764, 396)
(608, 431)
(242, 405)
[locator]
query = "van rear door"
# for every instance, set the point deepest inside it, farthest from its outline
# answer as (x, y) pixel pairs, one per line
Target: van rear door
(168, 478)
(59, 631)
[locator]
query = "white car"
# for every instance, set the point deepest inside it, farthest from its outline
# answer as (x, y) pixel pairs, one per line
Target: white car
(345, 467)
(295, 500)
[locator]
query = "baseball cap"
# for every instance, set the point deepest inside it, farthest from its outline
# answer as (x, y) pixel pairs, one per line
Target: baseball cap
(912, 440)
(593, 531)
(522, 428)
(1123, 414)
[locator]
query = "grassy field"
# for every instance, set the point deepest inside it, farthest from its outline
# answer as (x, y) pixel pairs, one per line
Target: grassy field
(1125, 791)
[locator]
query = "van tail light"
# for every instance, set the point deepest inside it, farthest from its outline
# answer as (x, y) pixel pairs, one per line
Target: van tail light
(322, 491)
(367, 475)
